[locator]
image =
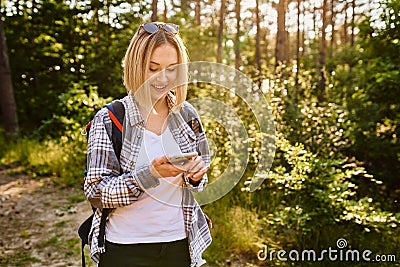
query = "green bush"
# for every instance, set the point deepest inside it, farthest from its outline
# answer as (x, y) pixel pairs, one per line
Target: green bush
(76, 108)
(304, 194)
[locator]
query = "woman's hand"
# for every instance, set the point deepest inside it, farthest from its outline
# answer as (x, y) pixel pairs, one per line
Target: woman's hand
(161, 167)
(195, 168)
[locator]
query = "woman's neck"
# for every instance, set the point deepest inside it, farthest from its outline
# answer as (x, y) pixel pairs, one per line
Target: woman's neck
(160, 106)
(156, 117)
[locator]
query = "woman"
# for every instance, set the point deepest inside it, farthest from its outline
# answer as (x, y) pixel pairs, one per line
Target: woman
(155, 220)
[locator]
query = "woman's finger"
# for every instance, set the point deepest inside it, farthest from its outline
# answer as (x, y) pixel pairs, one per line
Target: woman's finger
(198, 175)
(196, 165)
(159, 168)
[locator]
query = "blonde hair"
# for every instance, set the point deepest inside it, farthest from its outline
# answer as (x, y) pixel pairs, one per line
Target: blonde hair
(137, 64)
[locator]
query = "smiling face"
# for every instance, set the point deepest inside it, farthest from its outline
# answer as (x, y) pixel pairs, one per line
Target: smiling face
(163, 72)
(151, 54)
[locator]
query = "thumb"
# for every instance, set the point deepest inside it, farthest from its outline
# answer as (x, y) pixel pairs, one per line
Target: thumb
(160, 160)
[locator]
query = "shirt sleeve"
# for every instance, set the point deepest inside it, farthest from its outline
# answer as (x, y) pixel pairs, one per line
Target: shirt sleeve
(202, 149)
(104, 184)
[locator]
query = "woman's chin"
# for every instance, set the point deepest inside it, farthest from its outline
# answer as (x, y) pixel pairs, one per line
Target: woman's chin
(159, 94)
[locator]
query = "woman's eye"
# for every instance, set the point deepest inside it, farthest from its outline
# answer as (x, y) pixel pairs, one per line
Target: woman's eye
(153, 70)
(171, 69)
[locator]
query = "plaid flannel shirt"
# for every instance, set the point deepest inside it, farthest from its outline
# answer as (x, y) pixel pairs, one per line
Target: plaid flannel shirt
(105, 187)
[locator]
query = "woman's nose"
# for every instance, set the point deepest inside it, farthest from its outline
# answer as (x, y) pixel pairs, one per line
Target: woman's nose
(162, 76)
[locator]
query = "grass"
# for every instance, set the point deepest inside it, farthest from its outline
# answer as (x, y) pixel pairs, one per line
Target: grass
(68, 247)
(24, 234)
(61, 224)
(65, 161)
(76, 198)
(53, 241)
(236, 231)
(21, 258)
(72, 247)
(41, 224)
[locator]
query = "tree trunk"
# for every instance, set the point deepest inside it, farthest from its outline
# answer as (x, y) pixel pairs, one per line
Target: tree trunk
(154, 10)
(287, 47)
(333, 14)
(315, 19)
(238, 33)
(296, 89)
(221, 31)
(353, 21)
(322, 53)
(303, 38)
(165, 12)
(8, 107)
(197, 12)
(258, 37)
(281, 41)
(346, 6)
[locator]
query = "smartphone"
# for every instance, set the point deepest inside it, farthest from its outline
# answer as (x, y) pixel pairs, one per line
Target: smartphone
(183, 158)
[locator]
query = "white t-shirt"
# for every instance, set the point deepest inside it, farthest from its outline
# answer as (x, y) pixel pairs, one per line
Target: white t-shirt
(157, 216)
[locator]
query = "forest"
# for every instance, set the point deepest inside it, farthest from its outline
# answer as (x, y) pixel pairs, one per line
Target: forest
(328, 69)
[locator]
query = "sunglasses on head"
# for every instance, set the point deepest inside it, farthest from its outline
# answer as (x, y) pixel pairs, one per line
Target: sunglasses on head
(152, 27)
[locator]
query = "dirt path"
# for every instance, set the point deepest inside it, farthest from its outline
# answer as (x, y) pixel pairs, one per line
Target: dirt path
(39, 221)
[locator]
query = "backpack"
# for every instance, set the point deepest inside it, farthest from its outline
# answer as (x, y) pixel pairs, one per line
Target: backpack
(116, 111)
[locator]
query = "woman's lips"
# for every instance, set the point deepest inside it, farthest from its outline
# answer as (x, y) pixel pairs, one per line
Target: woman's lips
(159, 87)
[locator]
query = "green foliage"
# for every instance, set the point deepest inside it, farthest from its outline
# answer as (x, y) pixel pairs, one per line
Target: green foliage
(53, 44)
(369, 90)
(321, 127)
(52, 156)
(305, 194)
(75, 109)
(44, 55)
(204, 48)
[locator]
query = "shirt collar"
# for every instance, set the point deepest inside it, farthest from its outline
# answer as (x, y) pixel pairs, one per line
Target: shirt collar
(133, 112)
(171, 101)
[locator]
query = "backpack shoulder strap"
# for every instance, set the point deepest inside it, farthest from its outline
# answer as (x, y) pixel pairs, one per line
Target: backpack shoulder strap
(116, 111)
(191, 119)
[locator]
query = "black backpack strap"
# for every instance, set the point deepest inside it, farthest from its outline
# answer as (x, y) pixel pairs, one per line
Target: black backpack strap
(191, 120)
(83, 232)
(83, 254)
(102, 229)
(117, 114)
